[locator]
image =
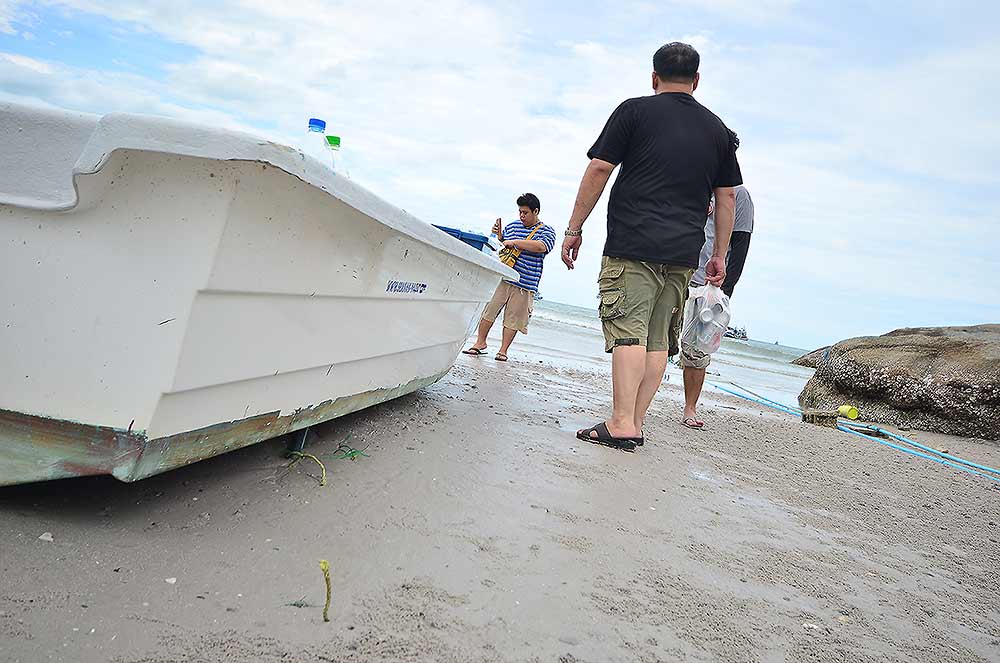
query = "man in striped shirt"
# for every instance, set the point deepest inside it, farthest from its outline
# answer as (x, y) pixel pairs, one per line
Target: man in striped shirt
(534, 240)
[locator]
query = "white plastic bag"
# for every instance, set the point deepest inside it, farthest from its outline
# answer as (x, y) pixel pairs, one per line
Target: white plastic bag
(706, 319)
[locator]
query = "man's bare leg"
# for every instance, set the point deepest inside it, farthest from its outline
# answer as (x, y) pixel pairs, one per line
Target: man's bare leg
(628, 365)
(508, 338)
(694, 380)
(484, 328)
(656, 365)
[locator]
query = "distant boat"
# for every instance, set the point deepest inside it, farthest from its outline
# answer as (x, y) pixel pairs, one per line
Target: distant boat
(172, 292)
(736, 333)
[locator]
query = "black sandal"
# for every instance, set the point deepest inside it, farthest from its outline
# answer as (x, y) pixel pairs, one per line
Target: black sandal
(475, 352)
(604, 437)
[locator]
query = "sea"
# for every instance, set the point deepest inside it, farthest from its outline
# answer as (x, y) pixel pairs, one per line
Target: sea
(571, 336)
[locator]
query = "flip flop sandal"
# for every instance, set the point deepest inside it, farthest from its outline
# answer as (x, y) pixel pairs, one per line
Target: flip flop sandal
(692, 423)
(475, 352)
(604, 437)
(501, 357)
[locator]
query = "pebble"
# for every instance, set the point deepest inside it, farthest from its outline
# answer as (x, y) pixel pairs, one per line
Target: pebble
(170, 581)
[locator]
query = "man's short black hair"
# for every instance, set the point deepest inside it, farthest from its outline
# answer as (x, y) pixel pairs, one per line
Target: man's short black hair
(676, 62)
(530, 201)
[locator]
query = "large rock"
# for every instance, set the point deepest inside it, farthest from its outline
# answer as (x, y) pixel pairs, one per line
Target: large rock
(812, 359)
(944, 379)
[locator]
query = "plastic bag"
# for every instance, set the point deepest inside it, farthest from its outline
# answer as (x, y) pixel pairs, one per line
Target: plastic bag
(706, 319)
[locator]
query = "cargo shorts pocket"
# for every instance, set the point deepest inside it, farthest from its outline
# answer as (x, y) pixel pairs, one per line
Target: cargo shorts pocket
(612, 289)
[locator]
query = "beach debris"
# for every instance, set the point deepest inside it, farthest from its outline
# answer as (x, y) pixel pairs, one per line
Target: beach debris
(170, 581)
(809, 626)
(848, 411)
(343, 451)
(325, 568)
(350, 453)
(46, 536)
(870, 431)
(820, 418)
(299, 603)
(296, 456)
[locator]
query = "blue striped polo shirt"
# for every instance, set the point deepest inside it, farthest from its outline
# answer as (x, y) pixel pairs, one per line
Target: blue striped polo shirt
(529, 265)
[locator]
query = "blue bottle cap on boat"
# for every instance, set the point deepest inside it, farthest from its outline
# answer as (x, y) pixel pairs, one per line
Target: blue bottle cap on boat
(316, 124)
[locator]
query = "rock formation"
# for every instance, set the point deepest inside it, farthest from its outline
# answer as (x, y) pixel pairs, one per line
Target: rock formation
(943, 379)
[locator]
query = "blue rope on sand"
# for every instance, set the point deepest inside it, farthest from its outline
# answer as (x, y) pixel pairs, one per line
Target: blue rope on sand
(760, 399)
(919, 450)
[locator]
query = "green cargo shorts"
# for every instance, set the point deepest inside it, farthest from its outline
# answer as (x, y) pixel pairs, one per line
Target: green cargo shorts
(642, 303)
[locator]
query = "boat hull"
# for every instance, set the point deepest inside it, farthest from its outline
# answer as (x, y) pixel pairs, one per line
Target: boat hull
(192, 293)
(43, 449)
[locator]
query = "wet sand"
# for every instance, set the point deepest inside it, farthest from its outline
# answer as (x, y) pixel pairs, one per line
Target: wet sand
(477, 528)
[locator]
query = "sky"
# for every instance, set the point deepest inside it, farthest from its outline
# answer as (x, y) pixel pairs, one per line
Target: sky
(868, 131)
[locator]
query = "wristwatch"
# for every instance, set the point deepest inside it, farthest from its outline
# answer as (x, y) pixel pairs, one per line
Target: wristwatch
(574, 233)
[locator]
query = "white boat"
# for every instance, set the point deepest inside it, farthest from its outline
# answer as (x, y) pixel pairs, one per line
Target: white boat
(170, 292)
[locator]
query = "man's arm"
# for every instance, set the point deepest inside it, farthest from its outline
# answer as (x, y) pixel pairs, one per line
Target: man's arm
(595, 178)
(529, 245)
(725, 216)
(738, 248)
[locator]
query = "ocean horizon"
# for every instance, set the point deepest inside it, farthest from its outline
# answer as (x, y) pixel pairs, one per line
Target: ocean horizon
(571, 335)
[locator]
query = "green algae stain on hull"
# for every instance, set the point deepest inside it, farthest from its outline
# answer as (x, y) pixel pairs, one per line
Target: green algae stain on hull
(43, 449)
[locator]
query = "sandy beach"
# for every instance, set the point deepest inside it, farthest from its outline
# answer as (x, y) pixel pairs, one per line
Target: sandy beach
(477, 528)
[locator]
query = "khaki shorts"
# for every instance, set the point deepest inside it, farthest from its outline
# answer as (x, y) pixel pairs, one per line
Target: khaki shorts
(517, 304)
(693, 358)
(642, 303)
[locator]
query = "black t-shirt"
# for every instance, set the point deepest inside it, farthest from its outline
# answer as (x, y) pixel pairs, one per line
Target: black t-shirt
(673, 151)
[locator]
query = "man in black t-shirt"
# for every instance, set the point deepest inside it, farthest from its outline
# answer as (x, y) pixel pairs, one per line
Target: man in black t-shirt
(674, 154)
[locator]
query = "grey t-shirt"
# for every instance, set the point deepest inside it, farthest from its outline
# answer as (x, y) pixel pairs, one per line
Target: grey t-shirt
(743, 223)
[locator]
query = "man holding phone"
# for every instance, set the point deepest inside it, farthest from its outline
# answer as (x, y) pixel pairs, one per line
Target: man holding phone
(526, 242)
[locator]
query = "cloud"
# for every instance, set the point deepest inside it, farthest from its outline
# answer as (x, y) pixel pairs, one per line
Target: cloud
(7, 15)
(868, 174)
(718, 12)
(25, 62)
(927, 116)
(27, 80)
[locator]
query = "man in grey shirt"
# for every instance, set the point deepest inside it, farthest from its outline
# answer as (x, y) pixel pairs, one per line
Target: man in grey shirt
(693, 361)
(739, 245)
